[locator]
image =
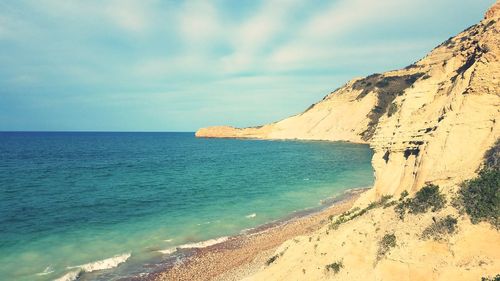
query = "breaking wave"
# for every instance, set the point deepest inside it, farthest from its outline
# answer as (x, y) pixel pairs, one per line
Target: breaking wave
(94, 266)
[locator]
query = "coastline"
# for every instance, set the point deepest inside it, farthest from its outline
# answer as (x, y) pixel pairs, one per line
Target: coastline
(240, 255)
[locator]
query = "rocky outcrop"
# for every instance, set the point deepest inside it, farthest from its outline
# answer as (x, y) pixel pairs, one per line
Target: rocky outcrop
(429, 122)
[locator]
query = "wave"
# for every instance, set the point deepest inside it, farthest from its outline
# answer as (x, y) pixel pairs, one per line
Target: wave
(94, 266)
(168, 251)
(47, 270)
(205, 243)
(168, 240)
(195, 245)
(103, 264)
(251, 216)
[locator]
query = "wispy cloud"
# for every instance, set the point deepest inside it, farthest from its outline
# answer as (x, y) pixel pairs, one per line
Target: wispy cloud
(178, 65)
(199, 23)
(252, 35)
(133, 16)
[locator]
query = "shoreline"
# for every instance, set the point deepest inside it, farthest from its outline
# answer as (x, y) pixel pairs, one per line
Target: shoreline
(242, 254)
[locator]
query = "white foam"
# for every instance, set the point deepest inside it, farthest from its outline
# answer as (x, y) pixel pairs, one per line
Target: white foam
(251, 216)
(168, 240)
(103, 264)
(47, 270)
(204, 244)
(70, 276)
(168, 251)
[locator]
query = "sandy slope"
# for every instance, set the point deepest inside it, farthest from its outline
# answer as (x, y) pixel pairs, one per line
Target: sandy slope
(469, 254)
(431, 122)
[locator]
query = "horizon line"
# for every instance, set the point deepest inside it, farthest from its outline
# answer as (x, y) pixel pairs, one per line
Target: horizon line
(89, 131)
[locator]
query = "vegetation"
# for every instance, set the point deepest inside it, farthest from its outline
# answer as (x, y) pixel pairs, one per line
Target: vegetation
(335, 267)
(381, 202)
(429, 197)
(356, 212)
(403, 195)
(386, 244)
(388, 88)
(480, 197)
(440, 228)
(390, 203)
(392, 109)
(492, 157)
(496, 278)
(280, 254)
(271, 260)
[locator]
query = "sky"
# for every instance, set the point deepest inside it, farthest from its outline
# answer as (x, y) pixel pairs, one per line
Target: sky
(181, 65)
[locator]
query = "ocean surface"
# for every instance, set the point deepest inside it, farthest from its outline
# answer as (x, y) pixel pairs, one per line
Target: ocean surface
(102, 206)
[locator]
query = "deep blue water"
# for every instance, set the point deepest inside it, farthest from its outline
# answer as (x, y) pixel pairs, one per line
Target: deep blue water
(71, 199)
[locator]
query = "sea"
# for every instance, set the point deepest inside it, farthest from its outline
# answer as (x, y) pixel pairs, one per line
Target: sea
(112, 205)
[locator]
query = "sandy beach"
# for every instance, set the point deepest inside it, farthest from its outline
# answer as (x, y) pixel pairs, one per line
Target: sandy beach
(244, 254)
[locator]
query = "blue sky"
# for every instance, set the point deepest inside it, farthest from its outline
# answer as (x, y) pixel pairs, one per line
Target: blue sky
(180, 65)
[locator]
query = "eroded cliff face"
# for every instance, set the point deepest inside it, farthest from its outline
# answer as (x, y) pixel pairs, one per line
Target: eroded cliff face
(430, 122)
(447, 119)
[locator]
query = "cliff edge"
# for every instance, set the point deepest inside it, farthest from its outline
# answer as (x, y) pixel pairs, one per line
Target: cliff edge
(429, 122)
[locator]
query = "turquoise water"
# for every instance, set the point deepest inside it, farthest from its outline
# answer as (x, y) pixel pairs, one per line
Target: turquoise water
(70, 200)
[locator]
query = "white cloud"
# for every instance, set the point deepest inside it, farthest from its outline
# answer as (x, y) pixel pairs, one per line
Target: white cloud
(307, 56)
(252, 35)
(317, 40)
(129, 15)
(198, 22)
(345, 15)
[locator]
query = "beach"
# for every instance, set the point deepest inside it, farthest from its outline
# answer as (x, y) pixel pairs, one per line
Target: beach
(241, 255)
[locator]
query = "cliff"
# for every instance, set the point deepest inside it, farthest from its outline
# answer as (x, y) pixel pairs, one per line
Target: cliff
(429, 122)
(433, 122)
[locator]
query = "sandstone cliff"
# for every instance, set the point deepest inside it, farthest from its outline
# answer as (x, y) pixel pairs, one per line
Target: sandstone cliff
(429, 122)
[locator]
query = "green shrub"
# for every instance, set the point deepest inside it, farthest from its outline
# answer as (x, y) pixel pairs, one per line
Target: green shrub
(271, 260)
(480, 197)
(441, 227)
(381, 202)
(390, 204)
(400, 208)
(496, 278)
(492, 157)
(385, 245)
(335, 267)
(392, 109)
(356, 212)
(427, 198)
(403, 195)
